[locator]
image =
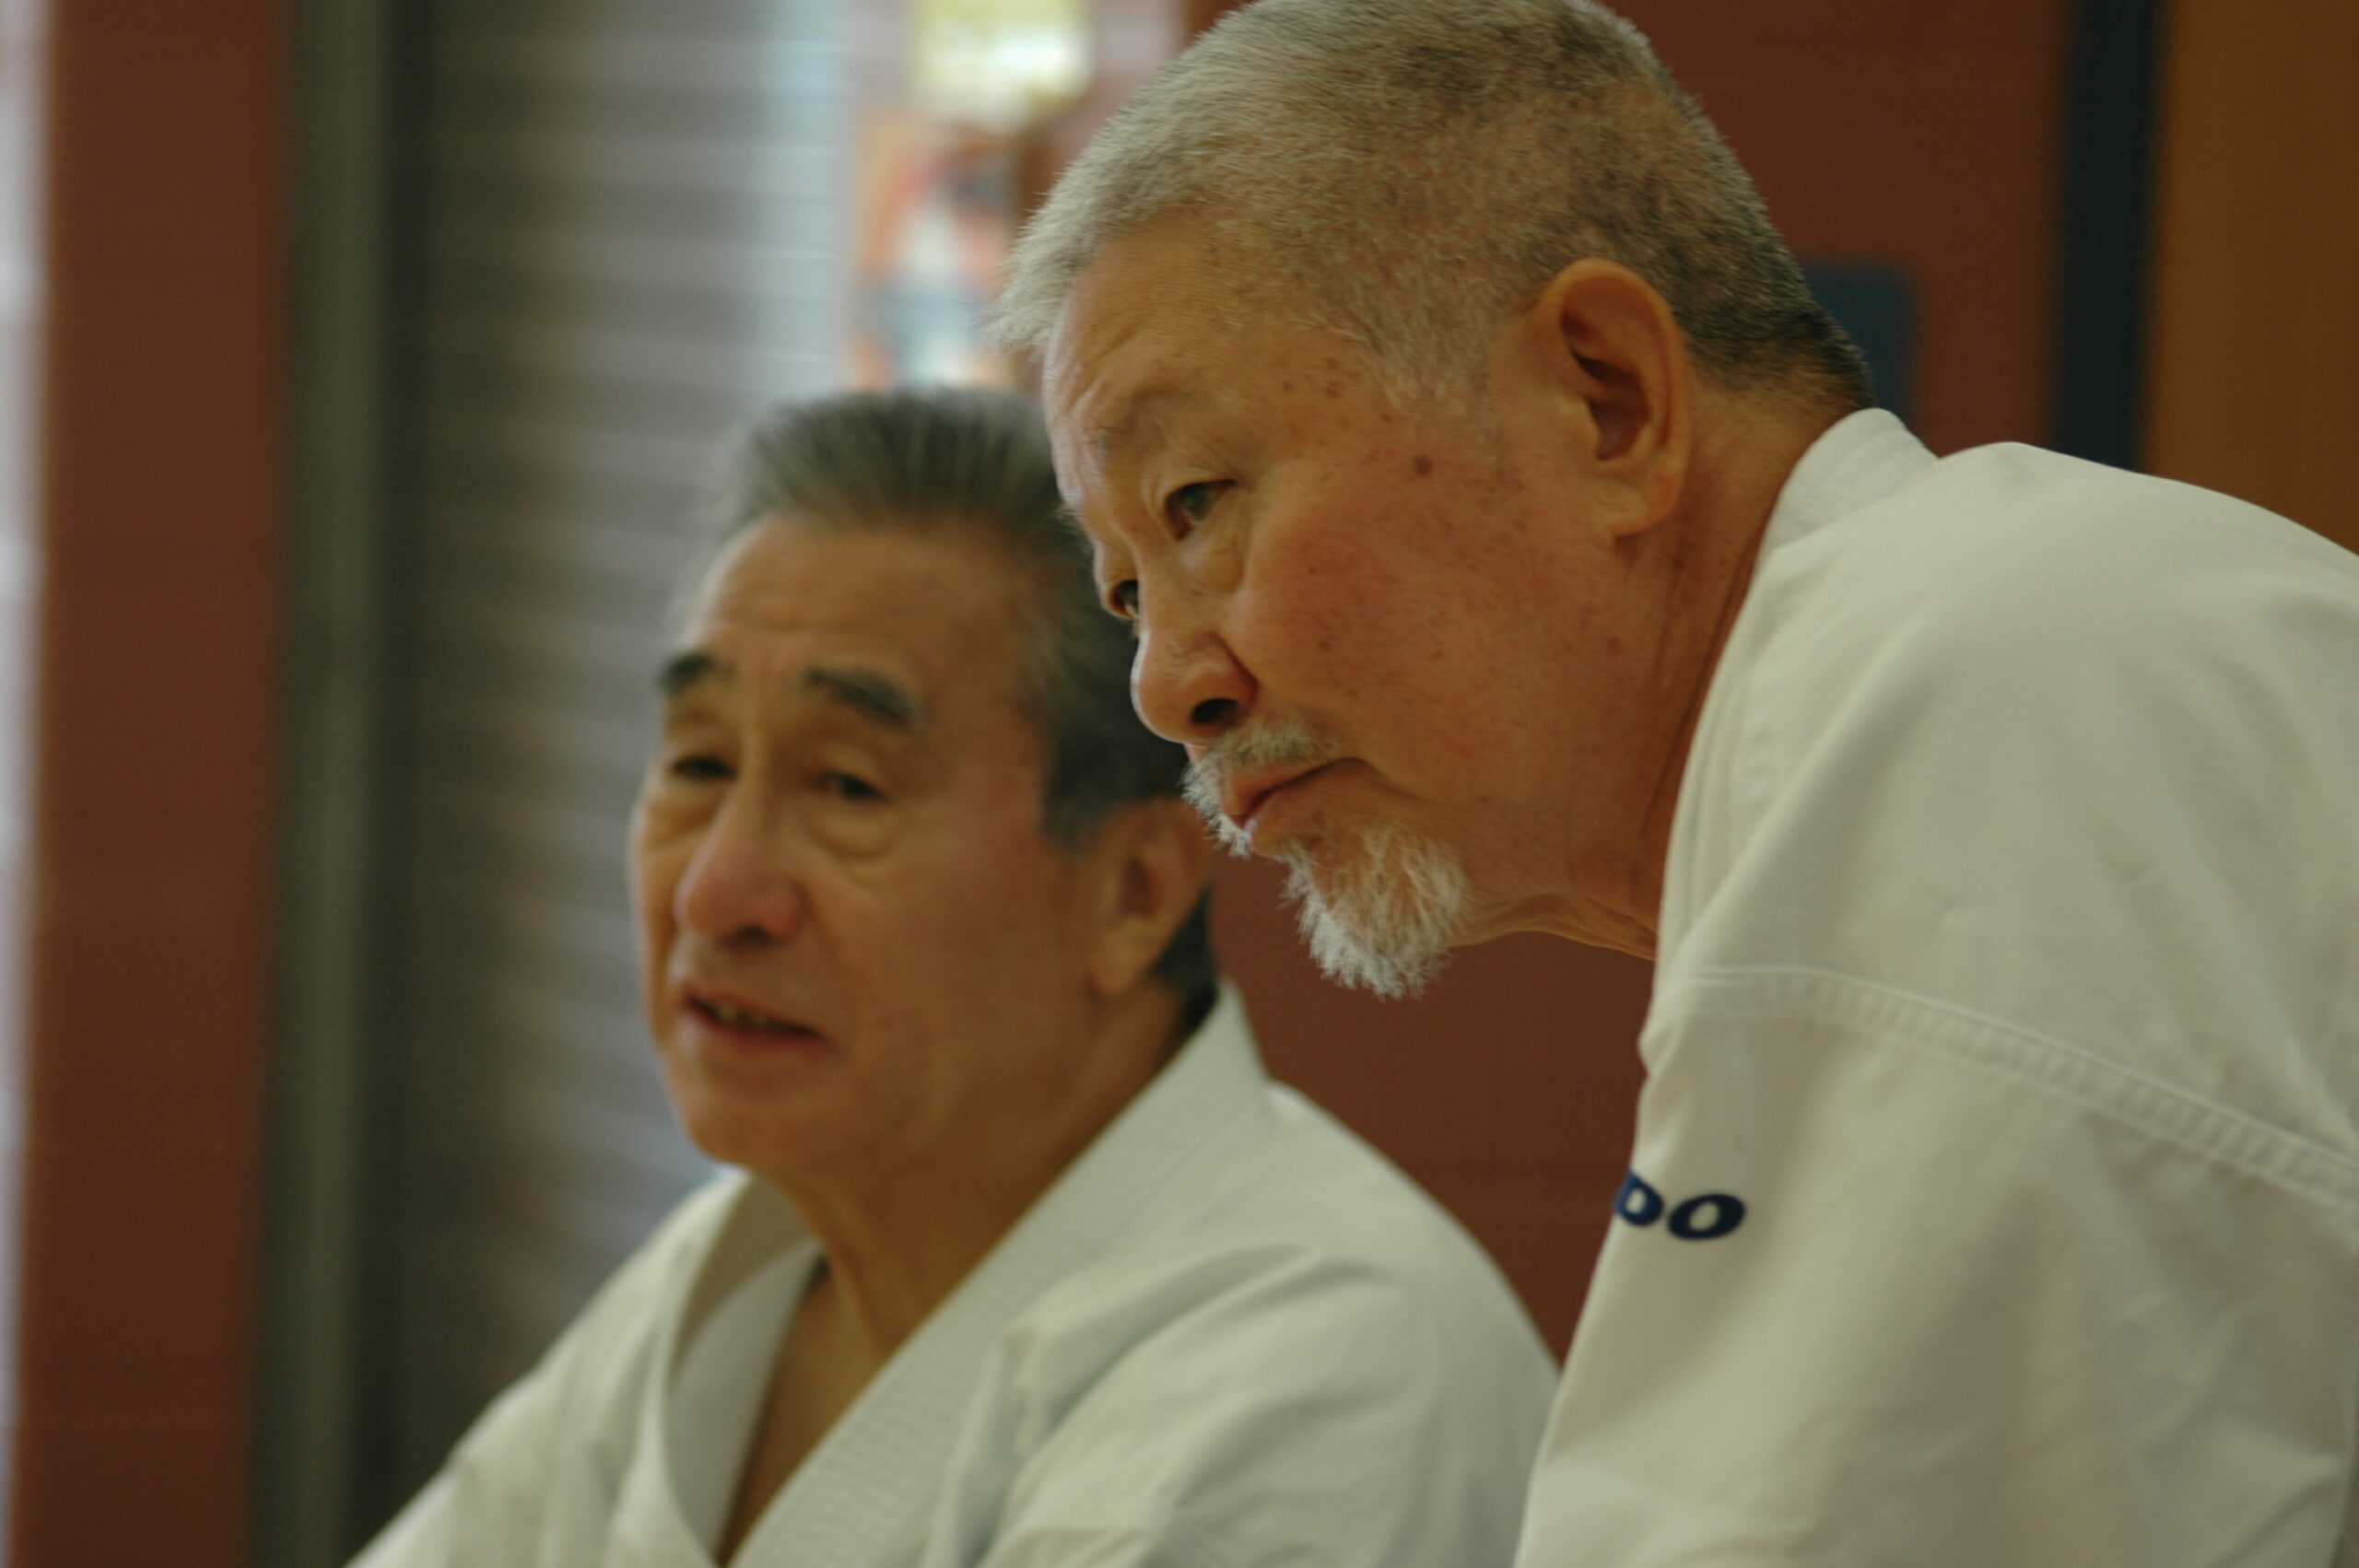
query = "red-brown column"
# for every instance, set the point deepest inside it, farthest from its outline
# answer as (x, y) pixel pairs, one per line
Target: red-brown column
(163, 454)
(2253, 365)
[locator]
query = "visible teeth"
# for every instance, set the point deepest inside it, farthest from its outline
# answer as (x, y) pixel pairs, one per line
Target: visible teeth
(738, 1018)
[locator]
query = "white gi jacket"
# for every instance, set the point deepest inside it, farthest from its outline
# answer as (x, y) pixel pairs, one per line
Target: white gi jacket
(1231, 1335)
(1995, 1200)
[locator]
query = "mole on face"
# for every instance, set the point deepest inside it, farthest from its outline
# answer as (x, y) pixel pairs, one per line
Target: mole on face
(1423, 464)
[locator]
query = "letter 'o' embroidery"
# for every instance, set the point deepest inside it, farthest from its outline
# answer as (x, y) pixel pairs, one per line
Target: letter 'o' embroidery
(1708, 1216)
(1637, 1202)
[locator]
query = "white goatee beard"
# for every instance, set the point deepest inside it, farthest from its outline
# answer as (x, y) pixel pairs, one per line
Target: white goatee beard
(1391, 901)
(1385, 920)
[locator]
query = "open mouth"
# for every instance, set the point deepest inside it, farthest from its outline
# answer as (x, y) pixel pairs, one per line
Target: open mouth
(742, 1020)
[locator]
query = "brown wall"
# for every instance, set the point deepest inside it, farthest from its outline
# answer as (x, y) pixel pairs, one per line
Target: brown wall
(1921, 134)
(2253, 375)
(152, 783)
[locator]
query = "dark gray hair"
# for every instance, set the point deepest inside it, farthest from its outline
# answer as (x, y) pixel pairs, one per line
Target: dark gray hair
(976, 462)
(1408, 172)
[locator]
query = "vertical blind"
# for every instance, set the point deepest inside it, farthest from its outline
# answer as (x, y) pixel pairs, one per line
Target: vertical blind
(637, 230)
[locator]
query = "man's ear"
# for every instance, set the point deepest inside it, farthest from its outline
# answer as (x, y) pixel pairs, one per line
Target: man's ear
(1610, 360)
(1152, 859)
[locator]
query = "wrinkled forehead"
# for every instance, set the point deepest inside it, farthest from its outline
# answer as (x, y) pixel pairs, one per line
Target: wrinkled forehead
(939, 613)
(1149, 321)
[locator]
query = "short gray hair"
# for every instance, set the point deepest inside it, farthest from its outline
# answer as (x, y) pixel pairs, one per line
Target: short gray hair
(1409, 173)
(976, 462)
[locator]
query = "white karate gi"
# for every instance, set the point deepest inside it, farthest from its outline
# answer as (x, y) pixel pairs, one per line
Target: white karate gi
(1231, 1335)
(1995, 1198)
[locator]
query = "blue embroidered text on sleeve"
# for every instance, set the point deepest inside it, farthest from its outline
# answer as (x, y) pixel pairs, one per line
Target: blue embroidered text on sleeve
(1705, 1217)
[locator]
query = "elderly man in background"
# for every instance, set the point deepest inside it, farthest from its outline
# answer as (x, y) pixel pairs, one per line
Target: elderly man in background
(1509, 536)
(1028, 1264)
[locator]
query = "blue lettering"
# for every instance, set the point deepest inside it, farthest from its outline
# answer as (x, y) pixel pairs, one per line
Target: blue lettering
(1709, 1217)
(1637, 1202)
(1705, 1217)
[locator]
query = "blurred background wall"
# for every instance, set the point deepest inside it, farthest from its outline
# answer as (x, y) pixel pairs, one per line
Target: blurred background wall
(357, 363)
(20, 276)
(633, 227)
(158, 470)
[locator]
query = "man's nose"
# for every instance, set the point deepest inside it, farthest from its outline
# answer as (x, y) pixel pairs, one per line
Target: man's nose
(740, 886)
(1187, 684)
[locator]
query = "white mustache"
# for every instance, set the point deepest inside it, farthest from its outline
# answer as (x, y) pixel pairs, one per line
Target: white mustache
(1279, 742)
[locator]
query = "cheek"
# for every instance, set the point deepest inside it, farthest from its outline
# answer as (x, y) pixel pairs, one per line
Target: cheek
(1345, 607)
(654, 866)
(1400, 613)
(963, 913)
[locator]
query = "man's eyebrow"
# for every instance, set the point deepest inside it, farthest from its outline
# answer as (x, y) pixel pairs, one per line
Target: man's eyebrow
(876, 697)
(688, 668)
(1120, 433)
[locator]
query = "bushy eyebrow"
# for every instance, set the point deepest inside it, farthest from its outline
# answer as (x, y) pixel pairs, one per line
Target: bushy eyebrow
(689, 668)
(1120, 434)
(876, 697)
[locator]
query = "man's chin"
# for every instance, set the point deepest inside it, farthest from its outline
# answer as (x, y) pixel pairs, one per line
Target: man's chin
(1380, 909)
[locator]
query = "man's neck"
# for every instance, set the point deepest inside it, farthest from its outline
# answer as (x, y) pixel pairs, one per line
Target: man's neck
(1741, 466)
(897, 1244)
(900, 1235)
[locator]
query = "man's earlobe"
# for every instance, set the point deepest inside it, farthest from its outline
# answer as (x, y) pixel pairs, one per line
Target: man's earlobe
(1159, 859)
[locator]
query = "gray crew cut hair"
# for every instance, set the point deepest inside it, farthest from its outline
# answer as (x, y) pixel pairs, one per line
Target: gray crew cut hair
(1409, 173)
(976, 462)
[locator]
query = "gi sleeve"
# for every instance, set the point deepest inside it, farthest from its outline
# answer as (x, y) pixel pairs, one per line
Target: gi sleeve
(533, 1480)
(1895, 1284)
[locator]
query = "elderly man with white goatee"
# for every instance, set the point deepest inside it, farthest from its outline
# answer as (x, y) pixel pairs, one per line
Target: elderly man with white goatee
(1511, 540)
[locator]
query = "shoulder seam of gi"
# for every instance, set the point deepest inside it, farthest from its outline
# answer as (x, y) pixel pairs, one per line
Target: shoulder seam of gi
(2162, 1109)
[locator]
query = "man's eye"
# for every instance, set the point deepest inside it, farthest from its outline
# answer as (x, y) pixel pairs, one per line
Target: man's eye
(700, 768)
(850, 787)
(1191, 504)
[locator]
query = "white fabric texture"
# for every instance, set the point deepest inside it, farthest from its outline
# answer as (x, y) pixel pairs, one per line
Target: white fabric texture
(2008, 978)
(1230, 1336)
